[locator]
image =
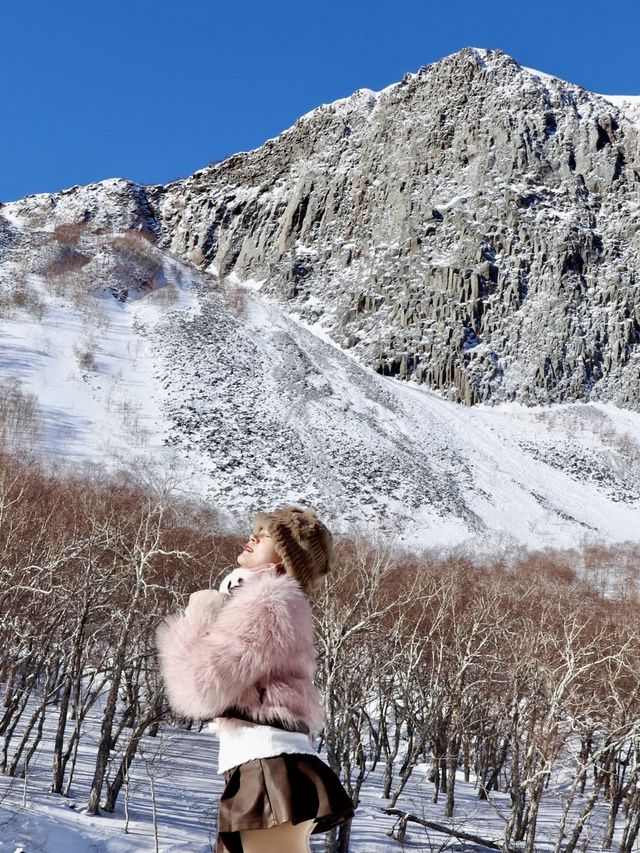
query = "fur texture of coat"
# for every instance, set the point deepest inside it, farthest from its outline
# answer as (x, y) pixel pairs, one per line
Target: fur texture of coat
(256, 653)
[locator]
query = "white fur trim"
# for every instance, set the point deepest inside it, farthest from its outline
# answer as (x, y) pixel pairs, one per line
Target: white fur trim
(251, 740)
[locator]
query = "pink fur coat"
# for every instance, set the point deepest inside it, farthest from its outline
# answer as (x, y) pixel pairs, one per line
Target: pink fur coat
(256, 652)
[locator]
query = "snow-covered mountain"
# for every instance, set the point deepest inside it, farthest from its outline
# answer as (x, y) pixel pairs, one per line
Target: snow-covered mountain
(471, 228)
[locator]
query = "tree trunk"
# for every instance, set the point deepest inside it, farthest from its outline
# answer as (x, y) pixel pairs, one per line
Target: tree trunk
(344, 836)
(114, 788)
(58, 766)
(408, 765)
(390, 759)
(452, 763)
(532, 820)
(584, 814)
(631, 826)
(614, 806)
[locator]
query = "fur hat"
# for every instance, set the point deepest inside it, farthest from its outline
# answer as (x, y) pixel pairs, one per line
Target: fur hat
(302, 541)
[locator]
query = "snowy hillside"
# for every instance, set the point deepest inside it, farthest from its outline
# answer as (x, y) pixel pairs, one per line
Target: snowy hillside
(239, 335)
(138, 359)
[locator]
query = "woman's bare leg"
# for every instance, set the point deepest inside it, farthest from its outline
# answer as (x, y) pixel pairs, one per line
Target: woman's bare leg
(284, 838)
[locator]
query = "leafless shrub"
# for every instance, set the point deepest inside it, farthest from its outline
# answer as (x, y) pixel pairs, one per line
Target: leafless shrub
(91, 308)
(86, 356)
(21, 296)
(135, 263)
(131, 236)
(627, 446)
(69, 234)
(583, 418)
(28, 299)
(130, 414)
(614, 571)
(137, 245)
(63, 274)
(20, 417)
(69, 263)
(145, 233)
(162, 296)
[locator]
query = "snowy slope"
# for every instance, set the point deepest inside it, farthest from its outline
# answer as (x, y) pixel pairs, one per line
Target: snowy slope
(221, 394)
(367, 448)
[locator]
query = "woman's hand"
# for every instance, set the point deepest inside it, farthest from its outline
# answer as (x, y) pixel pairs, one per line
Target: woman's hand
(204, 601)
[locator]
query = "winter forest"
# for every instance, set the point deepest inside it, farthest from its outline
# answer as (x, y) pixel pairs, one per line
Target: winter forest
(474, 705)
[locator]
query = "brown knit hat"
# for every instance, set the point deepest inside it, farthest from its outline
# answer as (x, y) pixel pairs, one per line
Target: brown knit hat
(303, 542)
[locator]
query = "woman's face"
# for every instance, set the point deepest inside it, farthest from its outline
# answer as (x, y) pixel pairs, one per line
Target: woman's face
(258, 551)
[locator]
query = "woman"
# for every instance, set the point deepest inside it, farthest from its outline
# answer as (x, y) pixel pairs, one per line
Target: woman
(244, 655)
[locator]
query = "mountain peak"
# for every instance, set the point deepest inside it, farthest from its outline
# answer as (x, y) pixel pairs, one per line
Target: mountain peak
(432, 228)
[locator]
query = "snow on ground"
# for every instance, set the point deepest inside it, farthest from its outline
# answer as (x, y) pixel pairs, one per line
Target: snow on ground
(517, 494)
(88, 411)
(90, 366)
(176, 769)
(179, 771)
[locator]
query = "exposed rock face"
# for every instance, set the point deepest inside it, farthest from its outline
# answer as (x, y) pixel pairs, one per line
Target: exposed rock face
(474, 227)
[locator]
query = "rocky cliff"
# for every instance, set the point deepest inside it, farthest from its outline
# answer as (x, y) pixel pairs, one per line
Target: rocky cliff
(473, 227)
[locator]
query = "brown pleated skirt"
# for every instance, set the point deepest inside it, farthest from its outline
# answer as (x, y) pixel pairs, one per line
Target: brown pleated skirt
(268, 791)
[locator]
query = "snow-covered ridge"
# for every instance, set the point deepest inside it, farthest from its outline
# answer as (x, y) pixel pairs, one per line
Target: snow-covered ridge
(543, 76)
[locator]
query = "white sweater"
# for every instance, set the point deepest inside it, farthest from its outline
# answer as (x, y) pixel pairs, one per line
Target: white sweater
(247, 741)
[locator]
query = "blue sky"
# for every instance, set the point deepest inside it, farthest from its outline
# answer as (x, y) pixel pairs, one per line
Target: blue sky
(153, 91)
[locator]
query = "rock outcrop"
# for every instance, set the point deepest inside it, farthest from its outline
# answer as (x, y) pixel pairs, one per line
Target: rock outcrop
(474, 226)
